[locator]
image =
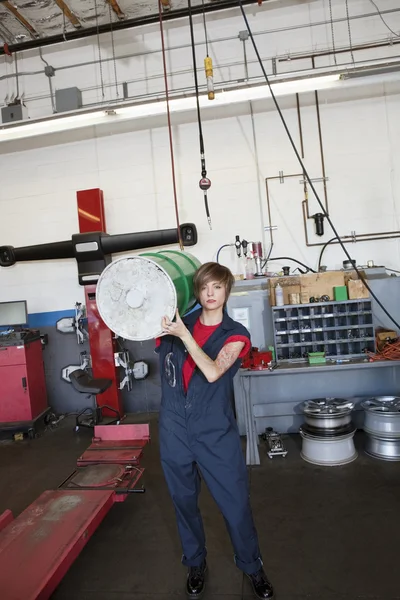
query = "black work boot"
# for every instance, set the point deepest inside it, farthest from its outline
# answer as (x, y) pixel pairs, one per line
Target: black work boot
(262, 587)
(195, 584)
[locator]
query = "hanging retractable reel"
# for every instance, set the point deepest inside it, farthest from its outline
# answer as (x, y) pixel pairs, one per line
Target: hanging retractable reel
(205, 182)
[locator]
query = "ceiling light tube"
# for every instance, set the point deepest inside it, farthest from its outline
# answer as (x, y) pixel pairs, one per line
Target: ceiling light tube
(58, 124)
(370, 71)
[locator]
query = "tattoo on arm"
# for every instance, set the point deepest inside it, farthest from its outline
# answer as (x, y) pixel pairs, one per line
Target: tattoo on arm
(228, 355)
(213, 369)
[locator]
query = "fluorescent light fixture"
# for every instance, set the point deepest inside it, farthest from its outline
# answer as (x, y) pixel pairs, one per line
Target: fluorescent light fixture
(370, 71)
(117, 114)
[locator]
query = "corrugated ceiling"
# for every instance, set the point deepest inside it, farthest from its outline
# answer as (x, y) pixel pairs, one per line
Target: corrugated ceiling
(24, 21)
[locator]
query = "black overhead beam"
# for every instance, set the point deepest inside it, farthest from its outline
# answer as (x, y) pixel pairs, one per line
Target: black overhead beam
(126, 24)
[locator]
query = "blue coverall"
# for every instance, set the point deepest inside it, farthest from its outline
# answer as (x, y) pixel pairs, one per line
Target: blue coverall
(199, 438)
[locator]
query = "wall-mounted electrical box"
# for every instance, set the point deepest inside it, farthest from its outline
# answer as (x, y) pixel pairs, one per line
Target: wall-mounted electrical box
(13, 112)
(68, 99)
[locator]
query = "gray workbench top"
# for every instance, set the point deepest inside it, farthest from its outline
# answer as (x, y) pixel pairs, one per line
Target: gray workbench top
(293, 368)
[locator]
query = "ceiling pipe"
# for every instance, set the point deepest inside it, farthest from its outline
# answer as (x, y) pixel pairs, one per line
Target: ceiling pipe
(318, 53)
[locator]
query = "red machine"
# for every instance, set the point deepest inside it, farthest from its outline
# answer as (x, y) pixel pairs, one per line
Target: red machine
(92, 218)
(23, 397)
(39, 546)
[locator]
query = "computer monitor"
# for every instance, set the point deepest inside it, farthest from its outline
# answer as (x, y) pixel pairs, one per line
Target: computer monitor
(13, 314)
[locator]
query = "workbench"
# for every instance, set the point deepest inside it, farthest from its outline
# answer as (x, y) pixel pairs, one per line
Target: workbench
(273, 398)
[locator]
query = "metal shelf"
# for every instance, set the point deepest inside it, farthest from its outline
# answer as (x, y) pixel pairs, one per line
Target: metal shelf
(319, 329)
(329, 303)
(325, 342)
(323, 316)
(319, 318)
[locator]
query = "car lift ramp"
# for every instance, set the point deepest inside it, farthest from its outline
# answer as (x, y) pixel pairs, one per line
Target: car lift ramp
(39, 546)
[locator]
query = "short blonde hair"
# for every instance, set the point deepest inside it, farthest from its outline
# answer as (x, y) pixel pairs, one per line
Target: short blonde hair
(212, 271)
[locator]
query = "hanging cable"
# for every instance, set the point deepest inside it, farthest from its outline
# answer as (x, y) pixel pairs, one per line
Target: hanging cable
(268, 255)
(171, 144)
(205, 27)
(270, 252)
(349, 30)
(293, 260)
(383, 20)
(323, 209)
(16, 74)
(113, 50)
(323, 250)
(49, 72)
(324, 247)
(208, 63)
(64, 27)
(99, 49)
(333, 33)
(204, 183)
(221, 248)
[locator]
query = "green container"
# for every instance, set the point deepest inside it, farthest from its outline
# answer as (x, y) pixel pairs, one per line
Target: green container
(181, 268)
(316, 358)
(340, 293)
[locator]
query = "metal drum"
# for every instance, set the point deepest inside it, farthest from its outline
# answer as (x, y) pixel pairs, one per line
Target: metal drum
(330, 451)
(327, 413)
(382, 416)
(133, 294)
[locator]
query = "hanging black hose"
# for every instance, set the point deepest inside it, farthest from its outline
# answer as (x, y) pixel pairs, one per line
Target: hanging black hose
(323, 250)
(222, 247)
(278, 108)
(293, 260)
(204, 183)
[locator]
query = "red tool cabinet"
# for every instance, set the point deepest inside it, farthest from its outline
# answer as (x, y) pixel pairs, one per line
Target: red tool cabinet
(23, 396)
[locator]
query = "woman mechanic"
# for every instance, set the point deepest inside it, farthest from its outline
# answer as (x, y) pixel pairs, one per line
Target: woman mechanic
(199, 439)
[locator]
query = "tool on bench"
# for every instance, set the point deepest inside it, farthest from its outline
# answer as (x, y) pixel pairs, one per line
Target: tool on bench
(256, 360)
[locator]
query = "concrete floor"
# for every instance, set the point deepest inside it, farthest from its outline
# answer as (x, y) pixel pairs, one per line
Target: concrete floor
(326, 533)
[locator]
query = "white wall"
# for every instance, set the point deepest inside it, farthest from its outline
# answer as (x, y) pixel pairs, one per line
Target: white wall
(131, 164)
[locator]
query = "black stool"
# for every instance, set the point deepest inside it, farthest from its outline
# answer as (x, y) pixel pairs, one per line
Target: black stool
(83, 383)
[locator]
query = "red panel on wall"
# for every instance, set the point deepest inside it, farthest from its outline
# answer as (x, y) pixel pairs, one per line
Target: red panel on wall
(102, 345)
(91, 211)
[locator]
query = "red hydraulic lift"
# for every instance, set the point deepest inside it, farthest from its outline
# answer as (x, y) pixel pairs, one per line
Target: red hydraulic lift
(39, 546)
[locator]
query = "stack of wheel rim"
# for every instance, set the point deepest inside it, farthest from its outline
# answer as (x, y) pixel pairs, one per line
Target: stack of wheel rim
(382, 427)
(328, 431)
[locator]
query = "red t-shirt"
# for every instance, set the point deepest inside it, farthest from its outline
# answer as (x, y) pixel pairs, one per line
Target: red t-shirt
(201, 333)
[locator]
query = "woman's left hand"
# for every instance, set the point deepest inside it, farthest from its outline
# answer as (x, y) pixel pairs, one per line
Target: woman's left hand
(177, 328)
